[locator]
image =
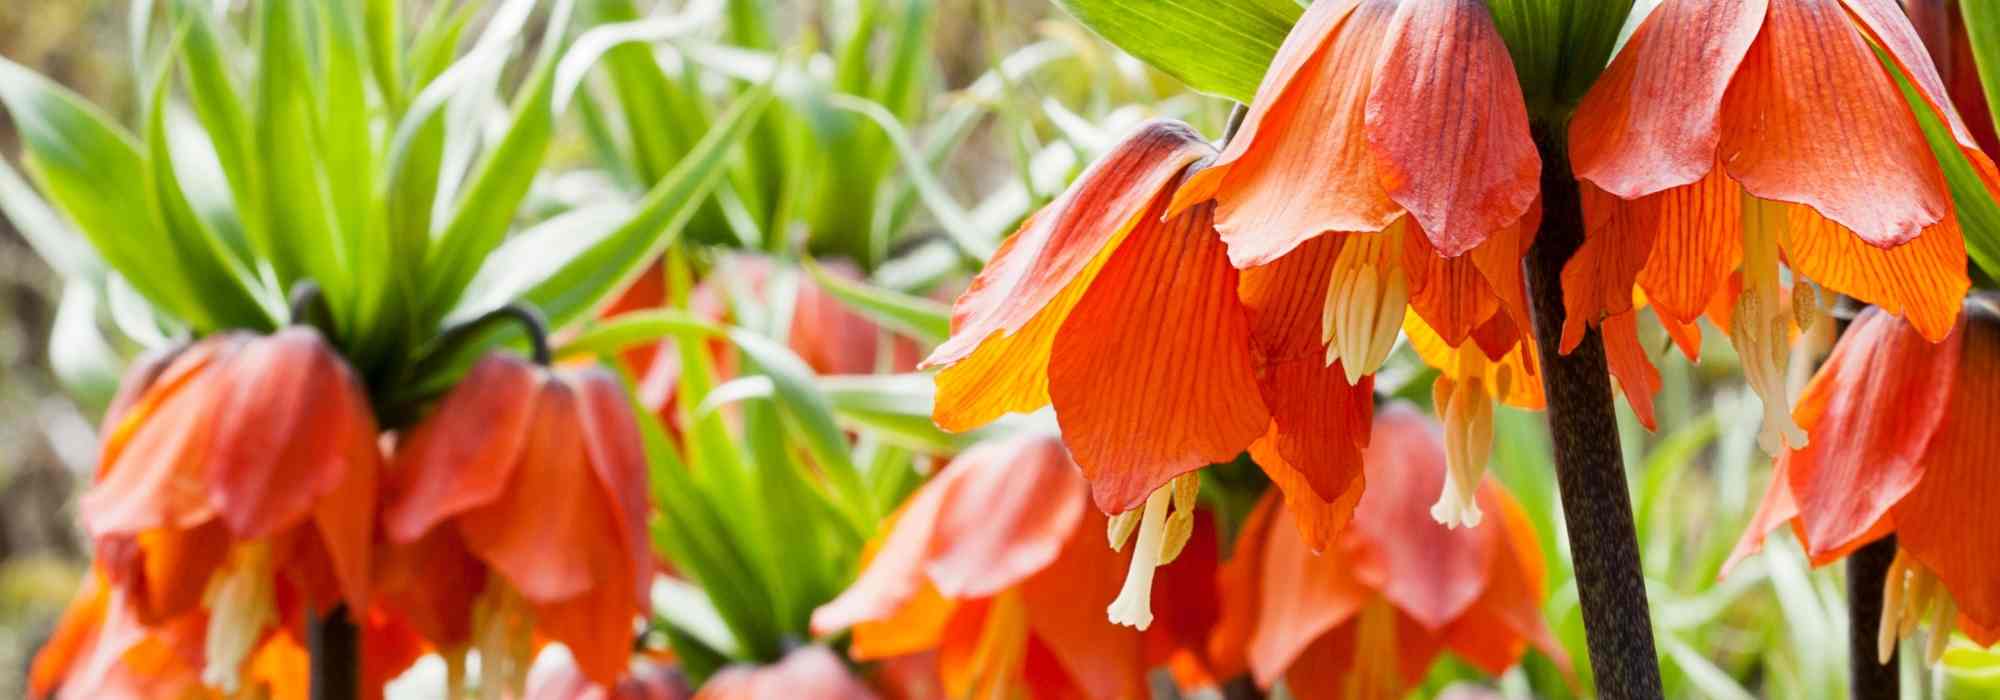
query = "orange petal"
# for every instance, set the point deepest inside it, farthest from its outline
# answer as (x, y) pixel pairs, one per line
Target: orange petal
(149, 473)
(431, 583)
(1685, 335)
(1342, 665)
(1011, 506)
(618, 459)
(1942, 28)
(1318, 520)
(1871, 409)
(1187, 586)
(1923, 280)
(1151, 375)
(1302, 597)
(1778, 507)
(164, 573)
(1635, 372)
(1448, 126)
(345, 519)
(1238, 583)
(1699, 241)
(1650, 122)
(545, 528)
(1495, 632)
(893, 574)
(917, 625)
(75, 635)
(1884, 22)
(1499, 262)
(1451, 294)
(1946, 519)
(1005, 323)
(462, 455)
(598, 625)
(1065, 608)
(1523, 390)
(1308, 124)
(1431, 573)
(1813, 118)
(1597, 281)
(1320, 422)
(829, 336)
(291, 423)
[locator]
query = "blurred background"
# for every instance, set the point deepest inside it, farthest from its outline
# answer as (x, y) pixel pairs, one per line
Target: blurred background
(994, 149)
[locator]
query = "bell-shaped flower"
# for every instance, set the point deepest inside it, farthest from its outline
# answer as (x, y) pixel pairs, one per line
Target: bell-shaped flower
(647, 678)
(1902, 444)
(239, 469)
(807, 673)
(1733, 136)
(998, 567)
(528, 484)
(1368, 617)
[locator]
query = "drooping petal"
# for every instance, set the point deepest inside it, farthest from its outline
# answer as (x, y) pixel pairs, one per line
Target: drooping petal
(1777, 507)
(1511, 378)
(1813, 118)
(1011, 507)
(1382, 655)
(1065, 610)
(894, 572)
(1151, 373)
(1945, 520)
(1699, 242)
(1923, 280)
(1306, 126)
(618, 459)
(1302, 597)
(1871, 409)
(1451, 294)
(597, 626)
(1239, 582)
(150, 472)
(1431, 573)
(808, 667)
(545, 529)
(431, 583)
(828, 335)
(1651, 121)
(1448, 126)
(292, 421)
(463, 454)
(164, 572)
(1056, 245)
(1507, 617)
(1884, 23)
(916, 626)
(1629, 364)
(1597, 281)
(345, 520)
(1942, 28)
(1317, 520)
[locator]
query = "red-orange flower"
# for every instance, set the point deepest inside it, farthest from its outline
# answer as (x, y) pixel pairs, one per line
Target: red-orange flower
(222, 462)
(537, 477)
(1901, 444)
(1132, 324)
(1367, 618)
(808, 673)
(1386, 164)
(647, 678)
(1731, 135)
(998, 566)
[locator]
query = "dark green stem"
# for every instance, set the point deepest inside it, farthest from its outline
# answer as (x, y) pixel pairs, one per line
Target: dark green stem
(308, 307)
(335, 647)
(1590, 469)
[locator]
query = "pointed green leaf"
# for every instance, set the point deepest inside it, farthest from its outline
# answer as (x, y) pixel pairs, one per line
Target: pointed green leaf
(1220, 47)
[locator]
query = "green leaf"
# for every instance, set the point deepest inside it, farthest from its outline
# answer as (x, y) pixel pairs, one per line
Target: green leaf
(93, 172)
(82, 358)
(586, 279)
(228, 298)
(927, 320)
(211, 88)
(486, 209)
(1982, 29)
(1559, 47)
(1978, 213)
(302, 234)
(1220, 47)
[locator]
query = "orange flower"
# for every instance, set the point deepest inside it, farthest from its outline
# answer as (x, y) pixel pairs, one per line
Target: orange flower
(221, 463)
(1785, 139)
(1129, 322)
(808, 673)
(1386, 164)
(647, 678)
(1901, 446)
(100, 650)
(1367, 618)
(998, 567)
(538, 477)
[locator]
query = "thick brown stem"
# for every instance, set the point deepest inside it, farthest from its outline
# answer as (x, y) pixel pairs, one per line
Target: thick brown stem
(335, 647)
(1867, 570)
(1590, 470)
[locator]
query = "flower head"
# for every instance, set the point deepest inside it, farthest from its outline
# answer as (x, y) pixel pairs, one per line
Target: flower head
(1731, 136)
(537, 477)
(998, 566)
(1366, 618)
(647, 678)
(1901, 446)
(807, 673)
(235, 454)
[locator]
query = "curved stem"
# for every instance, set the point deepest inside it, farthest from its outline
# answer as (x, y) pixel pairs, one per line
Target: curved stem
(335, 648)
(1590, 470)
(308, 307)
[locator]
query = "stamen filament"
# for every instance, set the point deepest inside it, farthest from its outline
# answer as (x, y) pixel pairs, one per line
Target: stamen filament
(1761, 326)
(241, 603)
(1134, 605)
(1365, 301)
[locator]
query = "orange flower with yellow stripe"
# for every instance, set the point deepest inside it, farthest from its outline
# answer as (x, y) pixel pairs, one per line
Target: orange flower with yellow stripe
(1731, 137)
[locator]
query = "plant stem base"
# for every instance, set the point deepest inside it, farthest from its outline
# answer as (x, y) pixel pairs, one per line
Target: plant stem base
(1867, 570)
(335, 647)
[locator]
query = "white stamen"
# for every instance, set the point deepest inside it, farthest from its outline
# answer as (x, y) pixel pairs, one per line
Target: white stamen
(1365, 299)
(1467, 411)
(503, 634)
(241, 603)
(1761, 327)
(1134, 606)
(1911, 596)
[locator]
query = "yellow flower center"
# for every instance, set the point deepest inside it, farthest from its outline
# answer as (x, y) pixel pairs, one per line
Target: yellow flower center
(1761, 327)
(241, 604)
(1364, 302)
(503, 632)
(1161, 539)
(1910, 594)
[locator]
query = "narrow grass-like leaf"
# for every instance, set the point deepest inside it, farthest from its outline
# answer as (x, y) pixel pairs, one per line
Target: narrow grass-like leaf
(927, 320)
(227, 297)
(1219, 47)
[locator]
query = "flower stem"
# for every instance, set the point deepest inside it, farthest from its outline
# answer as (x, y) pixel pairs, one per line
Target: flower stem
(335, 646)
(1590, 470)
(1867, 570)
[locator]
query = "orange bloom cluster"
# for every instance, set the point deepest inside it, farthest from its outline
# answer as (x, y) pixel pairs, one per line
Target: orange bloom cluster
(997, 568)
(1901, 445)
(1730, 136)
(1367, 618)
